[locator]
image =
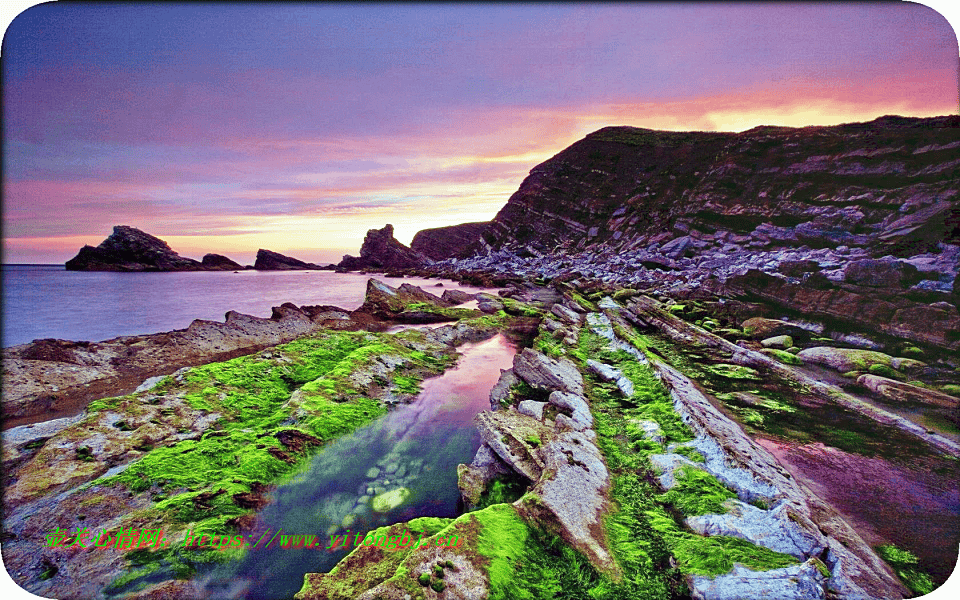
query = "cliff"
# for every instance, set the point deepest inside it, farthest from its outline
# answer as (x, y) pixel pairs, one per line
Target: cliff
(855, 224)
(889, 185)
(457, 241)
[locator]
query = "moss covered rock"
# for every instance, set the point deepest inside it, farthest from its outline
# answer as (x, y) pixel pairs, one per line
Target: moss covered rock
(844, 359)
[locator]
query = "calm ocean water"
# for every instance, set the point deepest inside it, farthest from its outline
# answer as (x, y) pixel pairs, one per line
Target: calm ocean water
(47, 301)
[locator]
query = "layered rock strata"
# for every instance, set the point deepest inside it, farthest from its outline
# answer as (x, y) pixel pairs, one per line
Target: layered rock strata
(457, 241)
(797, 522)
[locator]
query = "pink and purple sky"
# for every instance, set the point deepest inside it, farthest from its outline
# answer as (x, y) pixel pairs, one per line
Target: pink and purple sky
(296, 128)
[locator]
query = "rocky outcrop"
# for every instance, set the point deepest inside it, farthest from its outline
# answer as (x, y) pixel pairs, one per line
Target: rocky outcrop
(381, 251)
(219, 262)
(273, 261)
(129, 249)
(898, 391)
(890, 183)
(406, 304)
(936, 324)
(544, 373)
(797, 523)
(457, 241)
(54, 377)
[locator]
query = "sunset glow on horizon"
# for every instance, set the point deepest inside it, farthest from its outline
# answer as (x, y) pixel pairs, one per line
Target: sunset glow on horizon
(296, 128)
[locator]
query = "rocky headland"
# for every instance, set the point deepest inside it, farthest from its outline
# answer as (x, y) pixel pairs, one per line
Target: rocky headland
(738, 379)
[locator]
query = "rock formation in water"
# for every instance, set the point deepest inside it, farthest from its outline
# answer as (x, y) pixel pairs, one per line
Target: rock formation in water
(274, 261)
(218, 262)
(458, 241)
(129, 249)
(381, 251)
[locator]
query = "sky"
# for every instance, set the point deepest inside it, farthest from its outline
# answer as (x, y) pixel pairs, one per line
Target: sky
(298, 127)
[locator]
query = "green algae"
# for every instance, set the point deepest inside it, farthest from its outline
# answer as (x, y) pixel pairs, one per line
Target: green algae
(713, 555)
(521, 309)
(502, 491)
(644, 512)
(501, 541)
(737, 372)
(884, 371)
(907, 567)
(450, 314)
(696, 492)
(270, 415)
(783, 356)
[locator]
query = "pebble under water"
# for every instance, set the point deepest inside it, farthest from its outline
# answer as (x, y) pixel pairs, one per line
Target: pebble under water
(415, 447)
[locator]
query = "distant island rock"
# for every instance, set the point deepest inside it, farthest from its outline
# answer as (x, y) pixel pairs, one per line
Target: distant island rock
(274, 261)
(220, 262)
(129, 249)
(380, 250)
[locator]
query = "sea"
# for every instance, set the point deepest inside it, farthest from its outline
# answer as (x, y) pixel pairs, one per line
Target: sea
(47, 301)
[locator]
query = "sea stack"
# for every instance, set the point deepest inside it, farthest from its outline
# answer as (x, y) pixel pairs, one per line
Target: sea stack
(129, 249)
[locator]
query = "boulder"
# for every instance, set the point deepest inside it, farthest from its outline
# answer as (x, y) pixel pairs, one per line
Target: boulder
(544, 373)
(798, 268)
(129, 249)
(488, 304)
(455, 297)
(515, 438)
(580, 416)
(678, 247)
(760, 328)
(650, 429)
(779, 342)
(473, 479)
(898, 391)
(268, 260)
(844, 359)
(882, 272)
(531, 408)
(571, 498)
(567, 315)
(500, 392)
(775, 529)
(386, 302)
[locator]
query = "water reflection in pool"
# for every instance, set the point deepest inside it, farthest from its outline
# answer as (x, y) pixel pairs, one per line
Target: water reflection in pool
(411, 454)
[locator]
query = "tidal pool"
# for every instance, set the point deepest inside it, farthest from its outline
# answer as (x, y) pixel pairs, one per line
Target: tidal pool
(400, 467)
